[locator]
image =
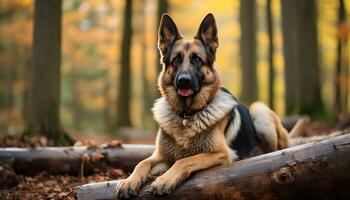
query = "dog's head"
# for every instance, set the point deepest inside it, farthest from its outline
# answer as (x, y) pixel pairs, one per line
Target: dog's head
(188, 80)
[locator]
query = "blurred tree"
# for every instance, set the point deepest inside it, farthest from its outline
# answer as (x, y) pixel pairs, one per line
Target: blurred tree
(78, 111)
(15, 54)
(147, 89)
(340, 99)
(7, 80)
(108, 113)
(290, 37)
(162, 8)
(270, 56)
(44, 88)
(248, 50)
(123, 112)
(302, 83)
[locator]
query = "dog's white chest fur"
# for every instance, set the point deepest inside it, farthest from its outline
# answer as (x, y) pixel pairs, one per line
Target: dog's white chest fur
(176, 126)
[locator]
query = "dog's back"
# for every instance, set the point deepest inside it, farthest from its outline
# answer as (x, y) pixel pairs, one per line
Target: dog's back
(254, 131)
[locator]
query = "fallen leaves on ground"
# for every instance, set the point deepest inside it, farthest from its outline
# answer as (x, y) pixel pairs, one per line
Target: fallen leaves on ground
(25, 141)
(46, 186)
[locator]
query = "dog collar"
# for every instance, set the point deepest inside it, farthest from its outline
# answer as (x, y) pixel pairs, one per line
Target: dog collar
(186, 115)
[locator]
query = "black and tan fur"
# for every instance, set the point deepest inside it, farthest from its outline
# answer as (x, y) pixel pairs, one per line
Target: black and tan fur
(218, 129)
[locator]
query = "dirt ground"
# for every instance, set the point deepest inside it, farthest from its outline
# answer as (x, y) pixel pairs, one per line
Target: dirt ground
(43, 185)
(46, 186)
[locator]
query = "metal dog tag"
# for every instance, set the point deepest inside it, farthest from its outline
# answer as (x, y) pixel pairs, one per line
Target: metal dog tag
(185, 122)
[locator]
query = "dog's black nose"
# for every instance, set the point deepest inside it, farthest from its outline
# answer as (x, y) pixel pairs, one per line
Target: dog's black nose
(184, 80)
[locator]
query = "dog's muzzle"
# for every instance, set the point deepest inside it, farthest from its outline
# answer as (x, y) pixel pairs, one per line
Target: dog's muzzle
(184, 84)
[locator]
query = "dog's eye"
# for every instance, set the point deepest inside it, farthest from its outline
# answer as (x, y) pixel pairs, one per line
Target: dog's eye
(177, 60)
(195, 60)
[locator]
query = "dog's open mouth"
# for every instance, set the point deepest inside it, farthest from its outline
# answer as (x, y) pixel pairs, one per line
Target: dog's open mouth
(185, 92)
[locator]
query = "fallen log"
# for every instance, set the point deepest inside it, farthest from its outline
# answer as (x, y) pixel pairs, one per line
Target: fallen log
(300, 127)
(68, 160)
(290, 121)
(318, 170)
(8, 177)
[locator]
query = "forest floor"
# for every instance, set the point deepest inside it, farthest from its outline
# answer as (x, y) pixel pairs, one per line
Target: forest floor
(47, 186)
(44, 186)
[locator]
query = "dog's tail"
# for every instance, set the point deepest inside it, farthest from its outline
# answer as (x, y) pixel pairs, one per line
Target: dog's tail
(272, 133)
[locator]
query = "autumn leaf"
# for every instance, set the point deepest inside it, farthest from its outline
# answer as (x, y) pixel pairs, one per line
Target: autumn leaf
(97, 155)
(115, 173)
(90, 143)
(113, 144)
(86, 157)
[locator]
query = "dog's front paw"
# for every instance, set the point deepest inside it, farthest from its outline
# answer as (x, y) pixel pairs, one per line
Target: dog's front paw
(162, 186)
(128, 187)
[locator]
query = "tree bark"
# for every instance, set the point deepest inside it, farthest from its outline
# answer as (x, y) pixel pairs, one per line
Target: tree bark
(109, 104)
(248, 50)
(69, 159)
(270, 56)
(124, 92)
(290, 46)
(340, 51)
(302, 84)
(162, 8)
(148, 90)
(8, 178)
(310, 94)
(7, 96)
(44, 88)
(284, 174)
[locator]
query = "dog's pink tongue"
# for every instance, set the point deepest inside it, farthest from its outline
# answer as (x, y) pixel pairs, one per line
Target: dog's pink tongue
(185, 92)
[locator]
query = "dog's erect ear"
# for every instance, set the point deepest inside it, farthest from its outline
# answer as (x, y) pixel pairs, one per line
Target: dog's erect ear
(208, 33)
(167, 33)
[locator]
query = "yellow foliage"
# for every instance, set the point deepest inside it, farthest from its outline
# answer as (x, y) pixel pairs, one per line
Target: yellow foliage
(91, 46)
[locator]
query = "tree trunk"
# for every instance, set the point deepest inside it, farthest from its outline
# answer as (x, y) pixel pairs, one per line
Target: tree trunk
(109, 107)
(69, 159)
(284, 174)
(44, 88)
(7, 96)
(290, 46)
(148, 92)
(162, 8)
(248, 50)
(271, 50)
(310, 92)
(340, 51)
(302, 84)
(124, 92)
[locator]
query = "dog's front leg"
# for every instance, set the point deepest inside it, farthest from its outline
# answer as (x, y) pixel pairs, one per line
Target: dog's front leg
(130, 186)
(183, 168)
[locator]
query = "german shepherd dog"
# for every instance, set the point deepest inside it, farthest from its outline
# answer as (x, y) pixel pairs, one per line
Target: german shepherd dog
(201, 124)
